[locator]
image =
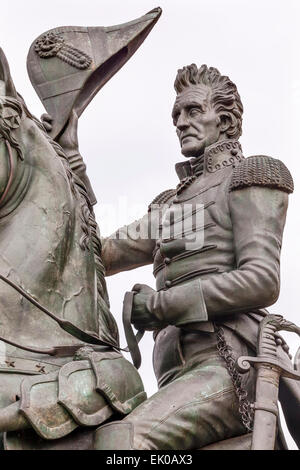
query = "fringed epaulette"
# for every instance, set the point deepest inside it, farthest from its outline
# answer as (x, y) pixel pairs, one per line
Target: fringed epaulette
(162, 198)
(260, 170)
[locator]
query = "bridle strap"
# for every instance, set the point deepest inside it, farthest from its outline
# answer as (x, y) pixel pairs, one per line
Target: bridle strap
(76, 332)
(131, 338)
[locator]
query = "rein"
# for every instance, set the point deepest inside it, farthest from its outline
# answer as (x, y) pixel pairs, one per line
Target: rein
(69, 327)
(82, 335)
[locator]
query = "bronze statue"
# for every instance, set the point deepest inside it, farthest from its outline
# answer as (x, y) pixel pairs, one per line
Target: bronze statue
(215, 244)
(210, 299)
(53, 294)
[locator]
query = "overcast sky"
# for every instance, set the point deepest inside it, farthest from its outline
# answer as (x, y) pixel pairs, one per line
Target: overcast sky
(126, 133)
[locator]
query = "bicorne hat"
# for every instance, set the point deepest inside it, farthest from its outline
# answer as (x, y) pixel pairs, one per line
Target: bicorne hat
(68, 65)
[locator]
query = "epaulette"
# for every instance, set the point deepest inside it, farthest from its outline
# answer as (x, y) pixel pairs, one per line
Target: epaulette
(162, 198)
(260, 170)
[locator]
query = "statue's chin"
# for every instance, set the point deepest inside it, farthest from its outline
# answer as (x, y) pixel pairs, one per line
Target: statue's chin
(192, 153)
(192, 148)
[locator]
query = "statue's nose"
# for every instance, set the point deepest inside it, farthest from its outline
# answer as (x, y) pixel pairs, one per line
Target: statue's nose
(182, 122)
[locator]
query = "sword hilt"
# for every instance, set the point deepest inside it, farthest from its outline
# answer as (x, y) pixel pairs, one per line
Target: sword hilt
(267, 347)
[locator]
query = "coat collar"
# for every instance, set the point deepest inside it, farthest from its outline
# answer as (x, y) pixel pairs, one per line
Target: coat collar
(216, 156)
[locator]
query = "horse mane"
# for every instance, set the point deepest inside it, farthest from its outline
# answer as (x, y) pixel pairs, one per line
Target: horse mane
(108, 331)
(7, 123)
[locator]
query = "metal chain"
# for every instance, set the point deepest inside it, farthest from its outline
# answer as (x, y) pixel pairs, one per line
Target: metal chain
(245, 408)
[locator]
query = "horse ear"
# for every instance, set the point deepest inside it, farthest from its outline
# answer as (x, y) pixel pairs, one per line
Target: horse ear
(6, 77)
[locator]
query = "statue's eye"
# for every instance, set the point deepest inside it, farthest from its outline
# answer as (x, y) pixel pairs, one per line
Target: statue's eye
(195, 111)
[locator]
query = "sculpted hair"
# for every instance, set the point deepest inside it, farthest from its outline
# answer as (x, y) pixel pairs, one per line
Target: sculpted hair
(225, 97)
(9, 121)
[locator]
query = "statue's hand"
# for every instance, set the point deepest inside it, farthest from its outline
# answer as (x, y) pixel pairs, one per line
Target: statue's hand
(69, 143)
(47, 122)
(142, 318)
(69, 139)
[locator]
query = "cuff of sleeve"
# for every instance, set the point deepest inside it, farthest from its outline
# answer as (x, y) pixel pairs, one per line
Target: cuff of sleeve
(181, 305)
(196, 310)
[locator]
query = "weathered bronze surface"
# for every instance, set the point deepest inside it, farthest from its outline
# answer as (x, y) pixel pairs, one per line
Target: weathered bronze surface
(53, 293)
(68, 65)
(211, 298)
(270, 367)
(63, 375)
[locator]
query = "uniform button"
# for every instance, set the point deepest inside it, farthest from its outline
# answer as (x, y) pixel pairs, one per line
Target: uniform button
(167, 261)
(168, 283)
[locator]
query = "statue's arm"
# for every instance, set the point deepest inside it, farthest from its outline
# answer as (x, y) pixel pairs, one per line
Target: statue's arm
(128, 248)
(132, 246)
(69, 143)
(258, 216)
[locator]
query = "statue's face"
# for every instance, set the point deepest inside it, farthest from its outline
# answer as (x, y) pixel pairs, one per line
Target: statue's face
(197, 123)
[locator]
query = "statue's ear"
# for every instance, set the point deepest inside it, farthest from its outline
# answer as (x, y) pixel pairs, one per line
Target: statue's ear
(6, 77)
(225, 122)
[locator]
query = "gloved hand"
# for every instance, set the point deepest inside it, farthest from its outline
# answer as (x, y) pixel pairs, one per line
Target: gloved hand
(46, 120)
(142, 317)
(69, 139)
(180, 305)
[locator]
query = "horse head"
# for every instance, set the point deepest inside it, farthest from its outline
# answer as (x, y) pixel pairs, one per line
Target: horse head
(49, 244)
